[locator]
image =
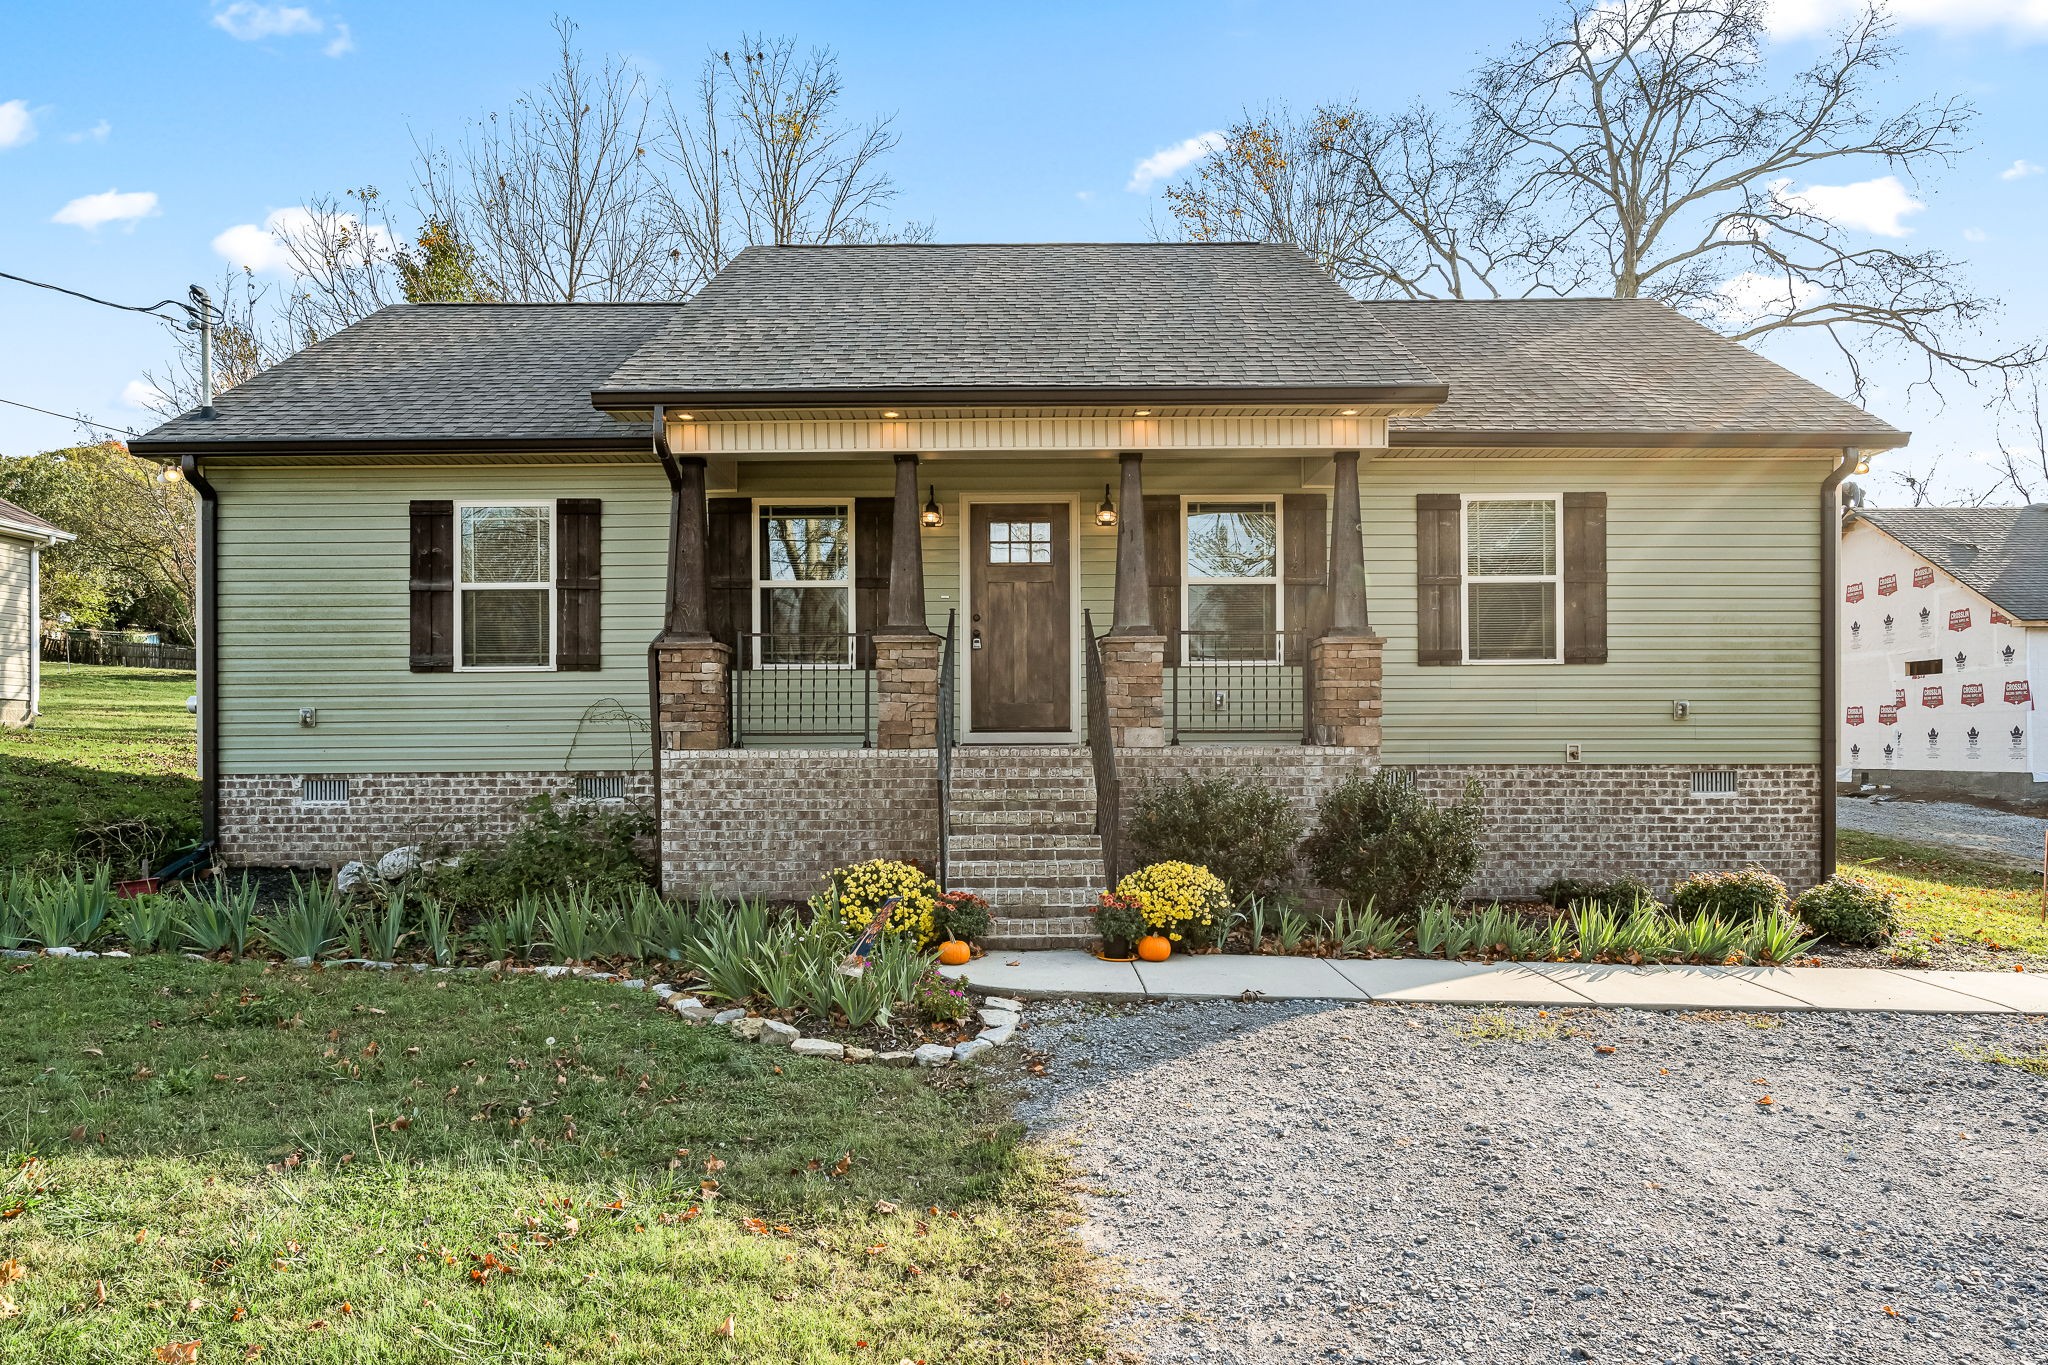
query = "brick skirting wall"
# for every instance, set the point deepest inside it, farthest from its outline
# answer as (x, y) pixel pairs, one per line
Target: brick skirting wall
(263, 823)
(773, 822)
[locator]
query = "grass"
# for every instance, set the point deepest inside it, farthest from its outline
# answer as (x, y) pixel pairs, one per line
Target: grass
(1952, 898)
(324, 1166)
(1499, 1028)
(108, 772)
(2034, 1062)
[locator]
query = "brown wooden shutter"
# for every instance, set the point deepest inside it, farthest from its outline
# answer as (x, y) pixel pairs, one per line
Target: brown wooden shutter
(1162, 566)
(1306, 538)
(433, 587)
(874, 526)
(729, 572)
(1585, 578)
(579, 571)
(1439, 635)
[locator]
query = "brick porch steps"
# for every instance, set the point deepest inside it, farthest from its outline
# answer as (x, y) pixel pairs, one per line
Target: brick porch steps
(1022, 834)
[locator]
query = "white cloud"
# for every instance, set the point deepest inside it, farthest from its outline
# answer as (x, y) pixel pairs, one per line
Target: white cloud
(251, 22)
(17, 124)
(2021, 19)
(139, 394)
(1085, 196)
(1873, 205)
(263, 247)
(2020, 170)
(96, 210)
(97, 133)
(1170, 161)
(1753, 296)
(1976, 235)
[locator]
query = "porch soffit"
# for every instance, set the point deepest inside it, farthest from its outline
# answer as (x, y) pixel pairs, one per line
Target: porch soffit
(1076, 433)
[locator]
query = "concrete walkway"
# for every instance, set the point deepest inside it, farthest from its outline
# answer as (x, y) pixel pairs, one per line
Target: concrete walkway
(1228, 976)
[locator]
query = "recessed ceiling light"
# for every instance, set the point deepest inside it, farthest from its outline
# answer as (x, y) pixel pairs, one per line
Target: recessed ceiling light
(687, 416)
(890, 412)
(1144, 412)
(1350, 412)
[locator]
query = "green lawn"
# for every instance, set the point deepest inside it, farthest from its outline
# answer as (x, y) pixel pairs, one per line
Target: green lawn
(107, 772)
(326, 1166)
(1987, 910)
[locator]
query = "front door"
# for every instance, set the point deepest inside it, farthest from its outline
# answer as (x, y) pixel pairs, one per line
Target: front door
(1020, 633)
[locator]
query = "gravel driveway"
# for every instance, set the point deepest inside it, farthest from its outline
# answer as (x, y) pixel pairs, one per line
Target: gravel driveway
(1307, 1182)
(1967, 829)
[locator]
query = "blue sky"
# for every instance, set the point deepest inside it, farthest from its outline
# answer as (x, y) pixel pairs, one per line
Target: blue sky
(132, 136)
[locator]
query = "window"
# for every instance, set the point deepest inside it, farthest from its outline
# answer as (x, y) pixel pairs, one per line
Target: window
(1923, 668)
(1511, 580)
(804, 591)
(1233, 582)
(1020, 542)
(505, 588)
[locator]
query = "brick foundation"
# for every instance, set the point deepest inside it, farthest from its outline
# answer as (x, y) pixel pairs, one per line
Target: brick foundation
(264, 824)
(772, 822)
(1134, 689)
(1344, 696)
(907, 690)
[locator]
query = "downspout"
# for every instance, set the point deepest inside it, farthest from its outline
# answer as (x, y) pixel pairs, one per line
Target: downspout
(208, 652)
(1830, 648)
(675, 490)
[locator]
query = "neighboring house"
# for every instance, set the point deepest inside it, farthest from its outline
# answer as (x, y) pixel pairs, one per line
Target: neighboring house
(1944, 643)
(1578, 550)
(23, 538)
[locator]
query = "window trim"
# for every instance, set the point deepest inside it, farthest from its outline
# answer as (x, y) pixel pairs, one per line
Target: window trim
(462, 585)
(1277, 581)
(759, 632)
(1466, 577)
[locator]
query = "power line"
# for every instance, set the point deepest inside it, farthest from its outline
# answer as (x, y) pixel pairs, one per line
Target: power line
(149, 311)
(68, 417)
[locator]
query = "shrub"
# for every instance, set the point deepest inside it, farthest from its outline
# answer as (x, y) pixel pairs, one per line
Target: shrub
(857, 894)
(939, 1001)
(1848, 910)
(1178, 900)
(1240, 829)
(1620, 893)
(1381, 840)
(1731, 895)
(560, 846)
(960, 914)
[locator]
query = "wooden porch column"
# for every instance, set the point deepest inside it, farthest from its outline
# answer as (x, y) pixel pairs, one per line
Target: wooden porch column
(1347, 552)
(906, 651)
(1134, 652)
(689, 527)
(906, 555)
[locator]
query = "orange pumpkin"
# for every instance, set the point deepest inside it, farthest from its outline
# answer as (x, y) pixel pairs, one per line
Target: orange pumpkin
(1155, 948)
(954, 953)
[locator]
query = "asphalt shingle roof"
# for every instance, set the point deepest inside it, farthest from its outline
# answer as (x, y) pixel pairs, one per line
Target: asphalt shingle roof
(1608, 369)
(449, 373)
(21, 517)
(973, 322)
(2001, 552)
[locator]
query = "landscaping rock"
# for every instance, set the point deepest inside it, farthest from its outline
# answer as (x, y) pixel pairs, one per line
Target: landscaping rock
(818, 1047)
(696, 1013)
(398, 862)
(996, 1037)
(1002, 1002)
(995, 1018)
(748, 1030)
(775, 1033)
(725, 1016)
(353, 875)
(113, 952)
(663, 992)
(859, 1054)
(933, 1054)
(896, 1059)
(972, 1048)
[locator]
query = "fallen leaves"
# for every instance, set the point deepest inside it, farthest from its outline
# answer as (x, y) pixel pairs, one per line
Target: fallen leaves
(179, 1353)
(12, 1270)
(724, 1329)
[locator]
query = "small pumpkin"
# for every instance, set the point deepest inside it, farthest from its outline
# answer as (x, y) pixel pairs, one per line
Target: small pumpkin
(1155, 948)
(954, 953)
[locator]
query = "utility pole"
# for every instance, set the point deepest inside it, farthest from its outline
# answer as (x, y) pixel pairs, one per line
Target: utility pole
(202, 312)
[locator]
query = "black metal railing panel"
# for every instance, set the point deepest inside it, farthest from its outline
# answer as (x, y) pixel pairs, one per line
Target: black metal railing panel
(1102, 748)
(947, 725)
(1224, 684)
(791, 689)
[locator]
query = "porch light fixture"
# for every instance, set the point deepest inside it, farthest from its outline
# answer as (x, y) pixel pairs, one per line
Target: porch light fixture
(1143, 412)
(890, 412)
(1348, 412)
(1105, 515)
(932, 518)
(1863, 464)
(686, 416)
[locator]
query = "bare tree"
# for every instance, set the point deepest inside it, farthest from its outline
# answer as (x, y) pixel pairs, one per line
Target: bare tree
(1643, 148)
(759, 155)
(251, 332)
(2022, 462)
(555, 195)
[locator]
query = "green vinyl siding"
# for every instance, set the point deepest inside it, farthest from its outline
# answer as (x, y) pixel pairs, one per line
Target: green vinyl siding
(314, 611)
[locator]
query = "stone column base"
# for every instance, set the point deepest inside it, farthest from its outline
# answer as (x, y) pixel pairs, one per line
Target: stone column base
(1134, 687)
(692, 679)
(1344, 700)
(907, 690)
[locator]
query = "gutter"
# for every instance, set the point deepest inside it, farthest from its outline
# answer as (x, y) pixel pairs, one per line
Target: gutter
(1831, 647)
(208, 652)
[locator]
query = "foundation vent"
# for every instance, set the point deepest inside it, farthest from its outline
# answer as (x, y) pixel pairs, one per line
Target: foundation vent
(323, 791)
(600, 787)
(1720, 782)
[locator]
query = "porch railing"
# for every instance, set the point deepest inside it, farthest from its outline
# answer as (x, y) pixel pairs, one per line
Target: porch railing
(947, 722)
(1102, 748)
(803, 689)
(1224, 684)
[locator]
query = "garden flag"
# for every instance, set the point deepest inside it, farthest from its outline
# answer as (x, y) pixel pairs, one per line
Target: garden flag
(856, 962)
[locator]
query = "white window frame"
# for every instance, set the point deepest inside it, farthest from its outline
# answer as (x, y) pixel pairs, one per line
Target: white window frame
(1466, 578)
(845, 584)
(462, 586)
(1278, 580)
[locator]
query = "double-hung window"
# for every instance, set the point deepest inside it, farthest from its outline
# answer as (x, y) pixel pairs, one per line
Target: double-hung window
(804, 584)
(1511, 580)
(1232, 581)
(505, 585)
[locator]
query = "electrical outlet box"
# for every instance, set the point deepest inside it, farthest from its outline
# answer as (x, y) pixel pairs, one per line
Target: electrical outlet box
(1681, 710)
(309, 716)
(1571, 753)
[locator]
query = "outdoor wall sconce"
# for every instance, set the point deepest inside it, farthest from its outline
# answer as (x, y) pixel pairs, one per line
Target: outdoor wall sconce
(1105, 515)
(932, 518)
